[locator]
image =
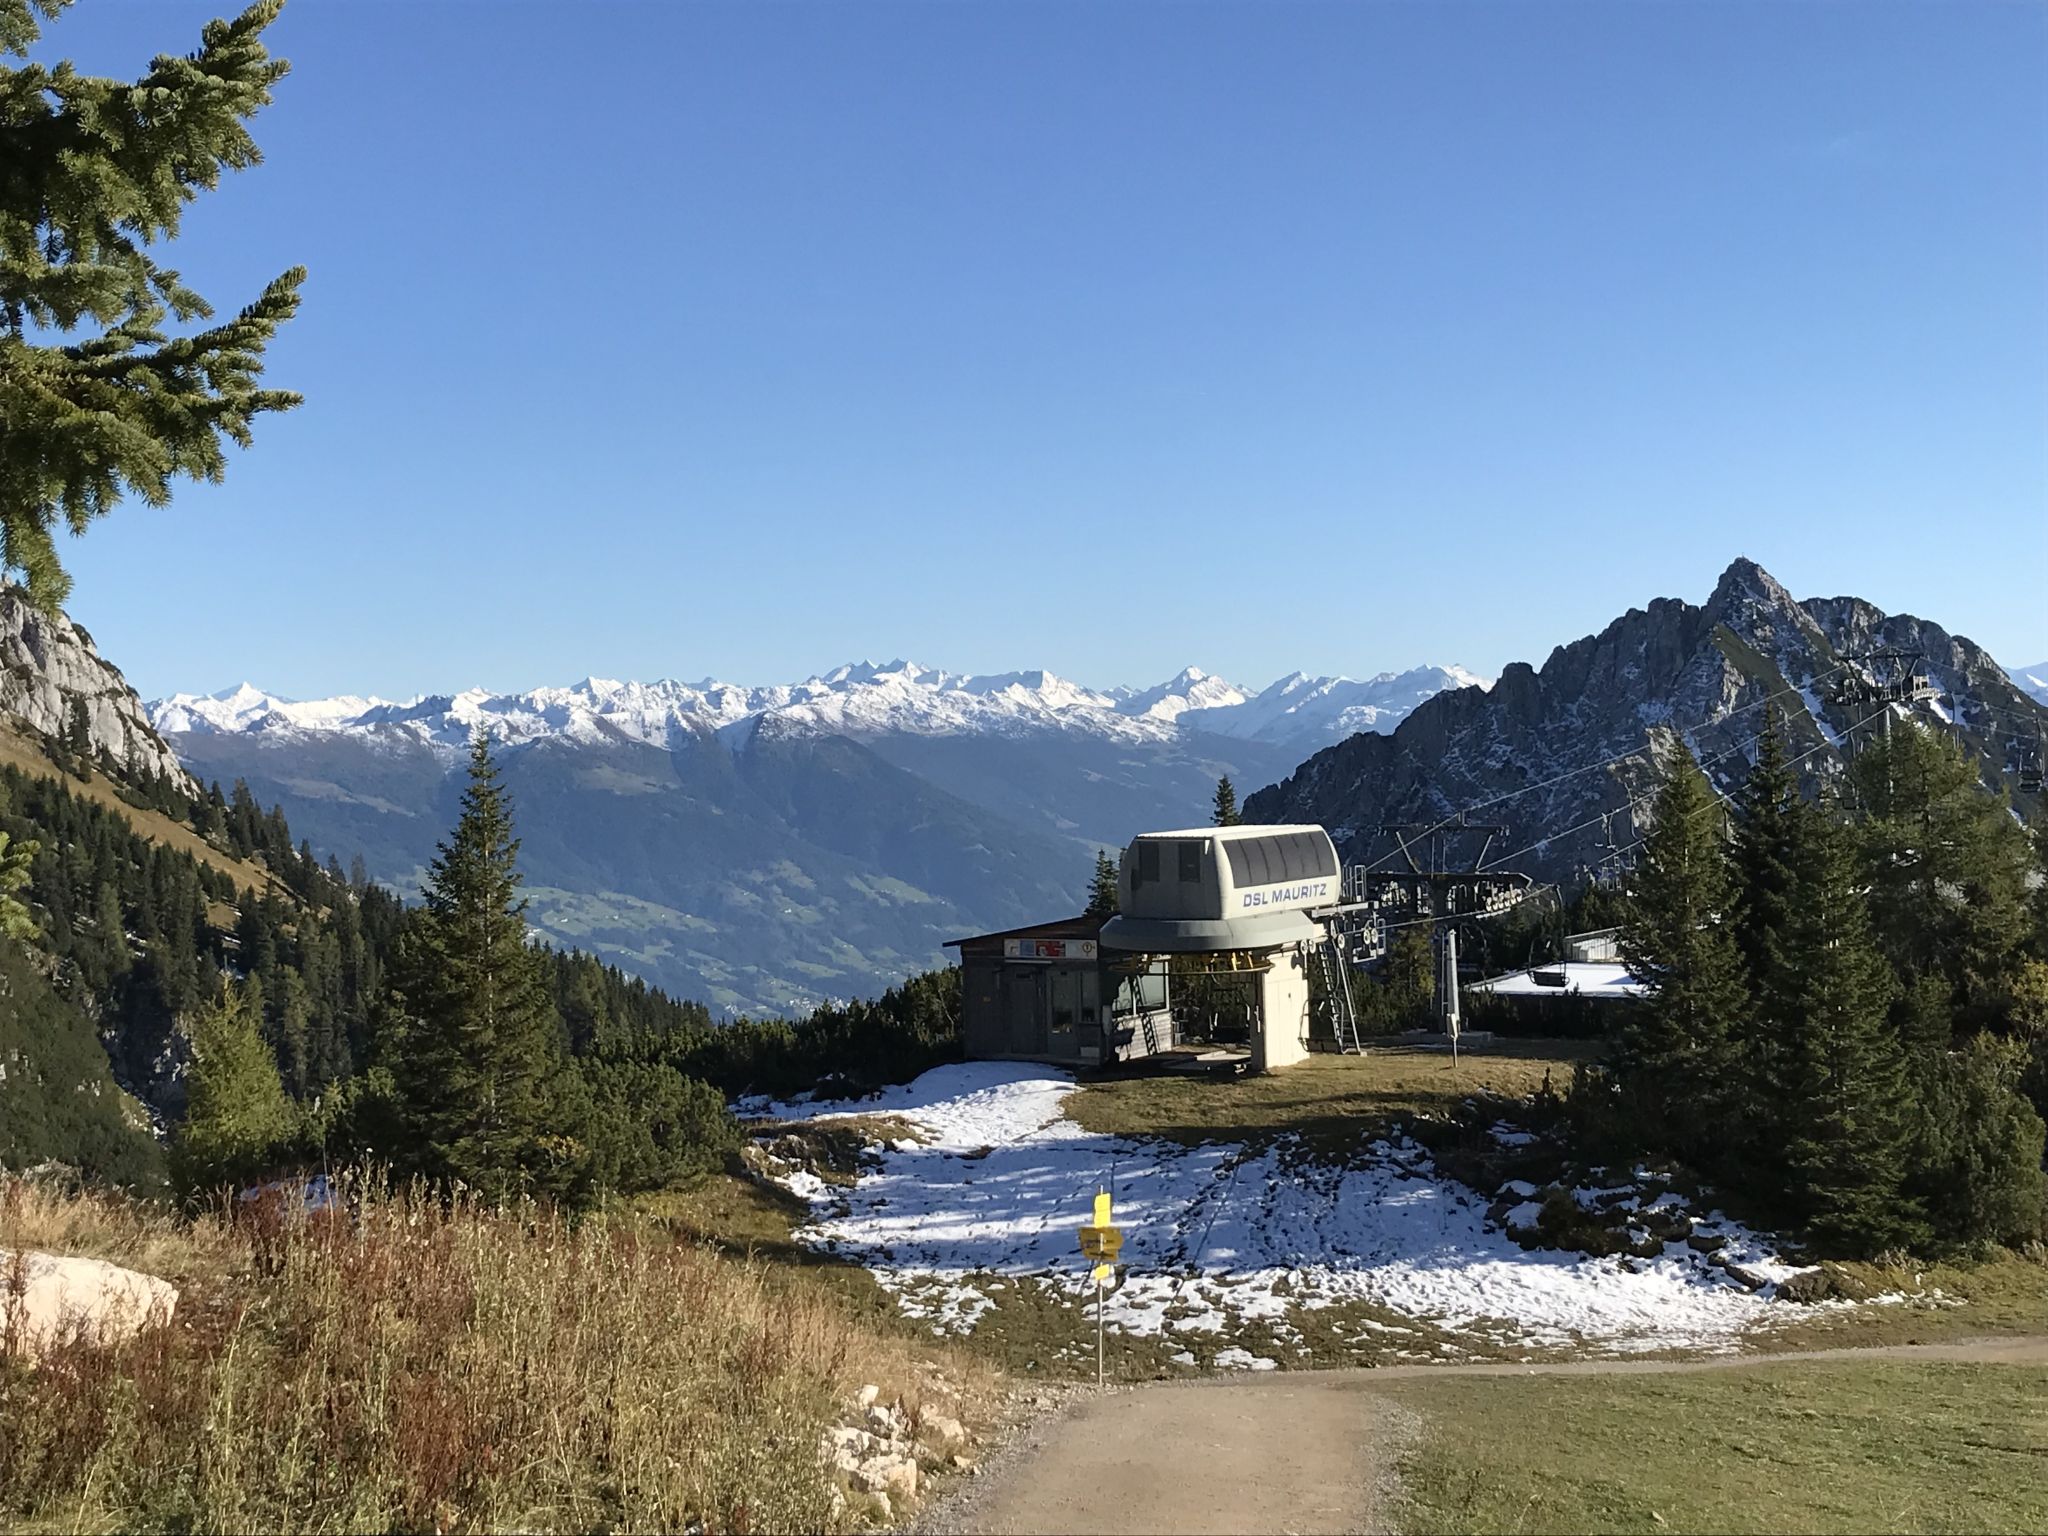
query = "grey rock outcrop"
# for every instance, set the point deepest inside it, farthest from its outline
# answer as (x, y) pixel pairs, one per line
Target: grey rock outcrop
(47, 662)
(1562, 755)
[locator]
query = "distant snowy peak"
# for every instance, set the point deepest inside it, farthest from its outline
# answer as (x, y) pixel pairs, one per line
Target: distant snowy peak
(247, 707)
(861, 699)
(1190, 689)
(1313, 710)
(2032, 681)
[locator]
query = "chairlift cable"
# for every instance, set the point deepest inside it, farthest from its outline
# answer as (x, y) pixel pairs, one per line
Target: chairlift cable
(1456, 816)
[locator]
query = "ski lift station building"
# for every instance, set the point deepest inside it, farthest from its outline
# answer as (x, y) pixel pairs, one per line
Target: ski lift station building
(1090, 991)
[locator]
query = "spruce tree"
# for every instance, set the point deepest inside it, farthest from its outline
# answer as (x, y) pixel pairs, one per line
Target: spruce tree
(1225, 812)
(480, 1061)
(17, 865)
(99, 397)
(1673, 1059)
(1103, 900)
(1848, 1105)
(1411, 977)
(1766, 852)
(237, 1118)
(1948, 869)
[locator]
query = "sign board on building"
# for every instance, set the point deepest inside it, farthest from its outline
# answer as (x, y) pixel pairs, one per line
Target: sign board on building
(1048, 949)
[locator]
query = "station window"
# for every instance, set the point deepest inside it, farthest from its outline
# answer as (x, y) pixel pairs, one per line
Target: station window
(1148, 863)
(1191, 863)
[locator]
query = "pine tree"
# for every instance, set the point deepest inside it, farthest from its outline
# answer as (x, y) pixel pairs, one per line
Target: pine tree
(78, 734)
(1673, 1058)
(237, 1118)
(480, 1054)
(1978, 1162)
(1848, 1104)
(17, 865)
(1103, 900)
(1766, 853)
(1411, 977)
(1225, 814)
(1948, 869)
(98, 397)
(110, 930)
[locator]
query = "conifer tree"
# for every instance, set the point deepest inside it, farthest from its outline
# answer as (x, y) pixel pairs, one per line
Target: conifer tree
(480, 1064)
(1411, 976)
(98, 396)
(1225, 813)
(1103, 900)
(1848, 1103)
(237, 1117)
(1948, 869)
(17, 865)
(1766, 853)
(1673, 1058)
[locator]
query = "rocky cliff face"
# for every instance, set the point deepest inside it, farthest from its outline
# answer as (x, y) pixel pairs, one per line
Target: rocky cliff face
(47, 663)
(1561, 756)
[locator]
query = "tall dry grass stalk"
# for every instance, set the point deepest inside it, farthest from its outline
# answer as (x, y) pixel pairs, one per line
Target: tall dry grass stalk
(397, 1362)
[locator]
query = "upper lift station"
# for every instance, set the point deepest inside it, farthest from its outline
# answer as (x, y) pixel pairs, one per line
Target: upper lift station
(1234, 919)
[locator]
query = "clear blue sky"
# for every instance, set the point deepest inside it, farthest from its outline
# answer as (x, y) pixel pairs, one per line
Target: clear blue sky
(664, 340)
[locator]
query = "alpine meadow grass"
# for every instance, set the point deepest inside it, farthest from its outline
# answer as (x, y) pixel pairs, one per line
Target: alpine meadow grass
(401, 1362)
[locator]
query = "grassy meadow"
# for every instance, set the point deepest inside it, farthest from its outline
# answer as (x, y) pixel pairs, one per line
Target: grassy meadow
(1794, 1447)
(1329, 1099)
(405, 1365)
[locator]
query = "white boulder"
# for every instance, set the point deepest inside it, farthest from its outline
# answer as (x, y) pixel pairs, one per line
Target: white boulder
(49, 1299)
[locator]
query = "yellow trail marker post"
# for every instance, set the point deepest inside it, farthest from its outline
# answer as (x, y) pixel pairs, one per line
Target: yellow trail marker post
(1101, 1242)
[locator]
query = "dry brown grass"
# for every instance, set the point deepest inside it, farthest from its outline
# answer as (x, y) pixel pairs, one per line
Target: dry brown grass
(1333, 1100)
(402, 1364)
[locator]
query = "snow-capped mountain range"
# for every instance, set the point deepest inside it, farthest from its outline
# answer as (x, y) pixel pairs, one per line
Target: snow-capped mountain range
(2032, 681)
(861, 700)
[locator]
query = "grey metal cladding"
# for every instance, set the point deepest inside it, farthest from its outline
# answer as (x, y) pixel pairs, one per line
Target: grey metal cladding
(1284, 858)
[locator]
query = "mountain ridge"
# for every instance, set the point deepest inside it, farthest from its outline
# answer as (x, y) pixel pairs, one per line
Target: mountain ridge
(1561, 755)
(858, 699)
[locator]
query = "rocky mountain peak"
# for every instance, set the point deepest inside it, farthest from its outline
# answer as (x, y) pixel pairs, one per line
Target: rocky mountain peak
(49, 668)
(1559, 754)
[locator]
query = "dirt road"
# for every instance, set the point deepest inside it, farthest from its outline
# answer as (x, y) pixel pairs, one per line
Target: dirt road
(1299, 1451)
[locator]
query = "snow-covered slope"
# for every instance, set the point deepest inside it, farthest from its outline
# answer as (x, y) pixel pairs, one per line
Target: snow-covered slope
(1228, 1244)
(2032, 681)
(862, 700)
(1309, 711)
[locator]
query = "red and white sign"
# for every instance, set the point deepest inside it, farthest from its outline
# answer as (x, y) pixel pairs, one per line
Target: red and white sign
(1048, 949)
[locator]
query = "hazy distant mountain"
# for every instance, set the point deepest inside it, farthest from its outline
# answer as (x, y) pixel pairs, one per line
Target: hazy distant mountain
(763, 847)
(1556, 755)
(859, 700)
(2032, 681)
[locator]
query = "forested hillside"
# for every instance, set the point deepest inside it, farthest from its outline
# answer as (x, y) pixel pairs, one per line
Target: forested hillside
(139, 947)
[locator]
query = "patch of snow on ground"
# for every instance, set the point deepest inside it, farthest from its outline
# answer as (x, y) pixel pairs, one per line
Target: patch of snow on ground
(1005, 1181)
(1235, 1359)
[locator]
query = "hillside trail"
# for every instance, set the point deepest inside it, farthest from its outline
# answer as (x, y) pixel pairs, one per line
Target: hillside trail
(1282, 1451)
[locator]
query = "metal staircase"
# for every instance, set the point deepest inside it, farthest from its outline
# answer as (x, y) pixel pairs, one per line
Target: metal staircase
(1336, 977)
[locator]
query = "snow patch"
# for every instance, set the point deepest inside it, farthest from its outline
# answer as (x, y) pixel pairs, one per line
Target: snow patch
(1219, 1236)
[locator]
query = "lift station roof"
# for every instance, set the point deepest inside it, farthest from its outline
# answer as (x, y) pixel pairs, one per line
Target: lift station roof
(1206, 889)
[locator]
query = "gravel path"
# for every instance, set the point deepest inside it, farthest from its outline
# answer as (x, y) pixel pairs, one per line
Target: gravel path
(1304, 1451)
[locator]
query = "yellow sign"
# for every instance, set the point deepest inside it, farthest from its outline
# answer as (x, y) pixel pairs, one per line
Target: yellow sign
(1101, 1241)
(1103, 1272)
